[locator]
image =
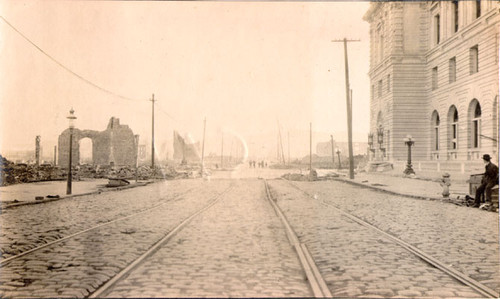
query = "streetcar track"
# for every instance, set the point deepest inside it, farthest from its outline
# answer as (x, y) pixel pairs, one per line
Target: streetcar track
(9, 259)
(316, 281)
(155, 247)
(470, 282)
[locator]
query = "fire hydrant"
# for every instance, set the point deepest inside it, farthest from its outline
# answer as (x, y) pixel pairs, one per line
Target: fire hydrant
(445, 183)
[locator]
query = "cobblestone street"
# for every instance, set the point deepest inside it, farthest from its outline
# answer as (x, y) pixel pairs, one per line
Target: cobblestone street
(355, 261)
(238, 247)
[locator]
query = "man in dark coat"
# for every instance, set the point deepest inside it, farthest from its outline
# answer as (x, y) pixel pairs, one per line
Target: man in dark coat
(490, 179)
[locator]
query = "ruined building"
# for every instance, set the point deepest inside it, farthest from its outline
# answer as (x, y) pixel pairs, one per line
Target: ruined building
(117, 145)
(185, 149)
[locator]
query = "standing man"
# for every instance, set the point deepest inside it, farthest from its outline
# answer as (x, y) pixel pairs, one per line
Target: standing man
(490, 179)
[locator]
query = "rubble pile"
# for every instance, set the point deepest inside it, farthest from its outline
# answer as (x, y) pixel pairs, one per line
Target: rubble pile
(16, 173)
(313, 176)
(12, 173)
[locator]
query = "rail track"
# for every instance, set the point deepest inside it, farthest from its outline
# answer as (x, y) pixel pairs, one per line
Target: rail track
(316, 281)
(476, 285)
(105, 285)
(107, 223)
(123, 273)
(314, 278)
(44, 263)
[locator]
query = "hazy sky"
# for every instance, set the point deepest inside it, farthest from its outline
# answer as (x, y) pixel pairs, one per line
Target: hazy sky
(242, 65)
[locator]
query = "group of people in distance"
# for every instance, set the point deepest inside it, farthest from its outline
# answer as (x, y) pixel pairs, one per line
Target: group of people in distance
(260, 164)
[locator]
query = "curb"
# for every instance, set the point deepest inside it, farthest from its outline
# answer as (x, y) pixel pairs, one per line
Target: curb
(388, 191)
(46, 200)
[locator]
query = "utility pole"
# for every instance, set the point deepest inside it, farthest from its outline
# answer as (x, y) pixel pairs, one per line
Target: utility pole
(222, 152)
(310, 146)
(55, 154)
(37, 150)
(203, 144)
(153, 131)
(333, 153)
(348, 94)
(282, 155)
(288, 147)
(136, 139)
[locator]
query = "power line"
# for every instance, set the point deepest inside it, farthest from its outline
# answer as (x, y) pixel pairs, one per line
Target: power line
(81, 77)
(66, 68)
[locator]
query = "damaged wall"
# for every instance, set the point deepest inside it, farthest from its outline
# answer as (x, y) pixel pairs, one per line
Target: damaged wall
(116, 144)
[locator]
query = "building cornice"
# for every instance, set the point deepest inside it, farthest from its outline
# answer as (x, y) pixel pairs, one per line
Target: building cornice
(374, 6)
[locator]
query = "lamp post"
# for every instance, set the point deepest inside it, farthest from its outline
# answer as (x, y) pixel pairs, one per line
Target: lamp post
(380, 139)
(338, 155)
(370, 143)
(71, 118)
(409, 142)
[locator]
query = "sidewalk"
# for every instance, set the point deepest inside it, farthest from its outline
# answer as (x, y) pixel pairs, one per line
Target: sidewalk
(21, 194)
(419, 187)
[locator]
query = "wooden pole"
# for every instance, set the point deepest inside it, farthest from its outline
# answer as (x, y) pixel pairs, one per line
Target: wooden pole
(153, 132)
(333, 152)
(203, 144)
(222, 152)
(310, 146)
(348, 94)
(288, 147)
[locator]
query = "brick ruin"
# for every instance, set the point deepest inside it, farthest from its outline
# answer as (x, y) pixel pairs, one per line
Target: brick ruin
(116, 145)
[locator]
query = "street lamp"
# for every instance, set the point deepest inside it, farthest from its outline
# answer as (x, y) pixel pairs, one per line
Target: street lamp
(380, 139)
(370, 143)
(409, 142)
(71, 118)
(338, 155)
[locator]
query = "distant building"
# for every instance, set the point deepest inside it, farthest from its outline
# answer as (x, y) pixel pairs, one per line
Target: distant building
(325, 148)
(434, 76)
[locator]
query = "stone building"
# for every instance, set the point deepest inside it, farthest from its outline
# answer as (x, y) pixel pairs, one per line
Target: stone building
(117, 145)
(434, 76)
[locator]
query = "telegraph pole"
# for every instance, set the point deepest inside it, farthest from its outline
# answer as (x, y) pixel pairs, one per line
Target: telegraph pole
(153, 131)
(310, 146)
(222, 152)
(203, 144)
(288, 147)
(333, 153)
(282, 155)
(37, 150)
(348, 94)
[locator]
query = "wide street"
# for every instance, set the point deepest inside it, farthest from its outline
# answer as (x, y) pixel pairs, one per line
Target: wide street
(231, 243)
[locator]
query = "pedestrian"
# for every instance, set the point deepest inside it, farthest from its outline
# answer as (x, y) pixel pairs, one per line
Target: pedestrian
(489, 180)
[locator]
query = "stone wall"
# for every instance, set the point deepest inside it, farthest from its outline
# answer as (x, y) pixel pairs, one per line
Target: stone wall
(116, 145)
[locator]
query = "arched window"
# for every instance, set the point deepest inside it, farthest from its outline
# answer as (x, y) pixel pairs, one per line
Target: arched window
(435, 131)
(475, 124)
(453, 128)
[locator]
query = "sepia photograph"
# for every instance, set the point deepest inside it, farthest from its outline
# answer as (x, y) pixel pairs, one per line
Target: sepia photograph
(249, 149)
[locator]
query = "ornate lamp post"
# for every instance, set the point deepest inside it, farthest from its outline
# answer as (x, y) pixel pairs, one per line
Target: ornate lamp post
(409, 142)
(338, 155)
(380, 139)
(370, 143)
(71, 118)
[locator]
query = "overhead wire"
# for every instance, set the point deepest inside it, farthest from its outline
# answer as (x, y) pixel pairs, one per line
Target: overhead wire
(83, 78)
(67, 68)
